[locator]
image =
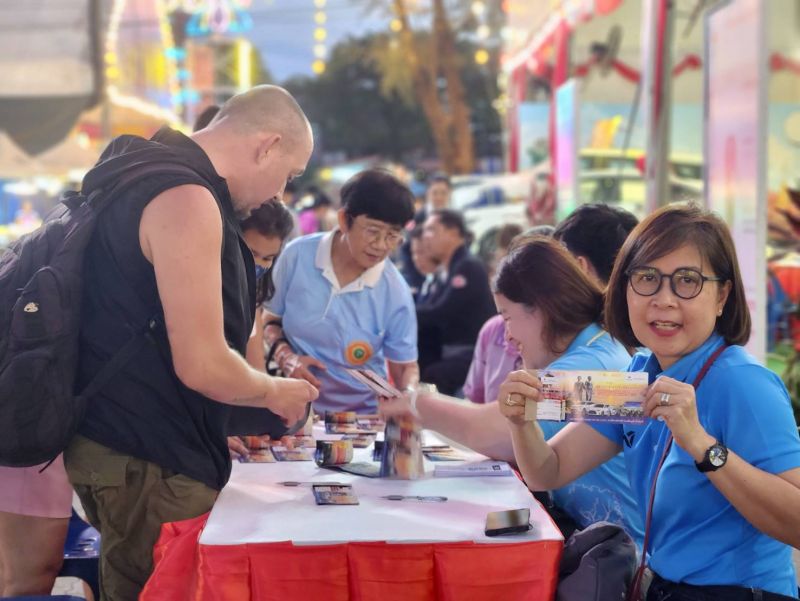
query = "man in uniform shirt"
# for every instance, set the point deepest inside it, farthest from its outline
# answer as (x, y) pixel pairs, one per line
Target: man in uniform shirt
(458, 307)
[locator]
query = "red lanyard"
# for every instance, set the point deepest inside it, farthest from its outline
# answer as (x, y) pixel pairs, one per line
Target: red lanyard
(633, 595)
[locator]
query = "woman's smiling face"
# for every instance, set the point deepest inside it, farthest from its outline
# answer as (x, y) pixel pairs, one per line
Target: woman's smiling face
(671, 326)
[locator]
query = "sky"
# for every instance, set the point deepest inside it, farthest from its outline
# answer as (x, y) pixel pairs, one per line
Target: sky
(283, 30)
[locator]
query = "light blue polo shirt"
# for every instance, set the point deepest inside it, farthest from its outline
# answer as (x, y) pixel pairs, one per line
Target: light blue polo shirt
(370, 320)
(604, 493)
(696, 536)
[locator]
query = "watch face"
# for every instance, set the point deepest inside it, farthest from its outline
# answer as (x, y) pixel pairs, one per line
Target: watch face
(717, 455)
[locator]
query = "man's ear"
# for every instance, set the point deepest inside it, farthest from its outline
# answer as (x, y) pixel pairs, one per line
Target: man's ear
(267, 143)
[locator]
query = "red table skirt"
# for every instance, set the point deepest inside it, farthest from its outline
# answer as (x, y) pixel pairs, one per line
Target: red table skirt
(188, 571)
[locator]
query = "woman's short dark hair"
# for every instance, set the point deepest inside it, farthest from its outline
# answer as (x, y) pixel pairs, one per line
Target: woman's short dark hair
(542, 275)
(663, 232)
(379, 195)
(271, 220)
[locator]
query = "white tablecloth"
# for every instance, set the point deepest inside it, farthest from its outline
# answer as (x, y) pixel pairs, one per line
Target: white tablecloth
(254, 508)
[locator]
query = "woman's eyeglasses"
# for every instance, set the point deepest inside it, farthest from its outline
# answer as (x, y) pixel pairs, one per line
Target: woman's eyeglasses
(685, 282)
(375, 235)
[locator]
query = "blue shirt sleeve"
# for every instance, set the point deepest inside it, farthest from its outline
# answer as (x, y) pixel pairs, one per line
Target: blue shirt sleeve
(280, 278)
(615, 432)
(400, 344)
(749, 411)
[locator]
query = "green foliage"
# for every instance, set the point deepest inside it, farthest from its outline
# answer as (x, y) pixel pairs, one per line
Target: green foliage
(786, 362)
(351, 114)
(364, 103)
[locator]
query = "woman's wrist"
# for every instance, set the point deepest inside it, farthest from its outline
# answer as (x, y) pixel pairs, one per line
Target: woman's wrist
(421, 390)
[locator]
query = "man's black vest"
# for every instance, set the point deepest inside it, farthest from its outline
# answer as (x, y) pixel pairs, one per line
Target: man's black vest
(145, 410)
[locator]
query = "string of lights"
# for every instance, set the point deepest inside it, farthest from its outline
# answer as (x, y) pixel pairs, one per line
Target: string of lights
(320, 37)
(113, 70)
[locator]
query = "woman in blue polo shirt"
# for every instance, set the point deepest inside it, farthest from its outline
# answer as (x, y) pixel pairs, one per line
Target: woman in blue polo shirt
(551, 309)
(339, 304)
(725, 508)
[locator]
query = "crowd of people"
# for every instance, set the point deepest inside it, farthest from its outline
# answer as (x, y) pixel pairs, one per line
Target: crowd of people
(235, 283)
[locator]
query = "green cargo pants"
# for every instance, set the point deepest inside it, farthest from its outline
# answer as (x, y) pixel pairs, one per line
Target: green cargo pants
(127, 500)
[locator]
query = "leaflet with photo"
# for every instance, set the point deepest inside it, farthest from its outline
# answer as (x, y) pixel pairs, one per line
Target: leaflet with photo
(360, 441)
(296, 454)
(591, 396)
(357, 468)
(262, 456)
(374, 382)
(334, 494)
(357, 428)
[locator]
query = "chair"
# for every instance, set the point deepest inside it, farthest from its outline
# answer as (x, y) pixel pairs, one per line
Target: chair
(81, 555)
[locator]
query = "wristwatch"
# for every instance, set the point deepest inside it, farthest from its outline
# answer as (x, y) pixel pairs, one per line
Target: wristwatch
(715, 457)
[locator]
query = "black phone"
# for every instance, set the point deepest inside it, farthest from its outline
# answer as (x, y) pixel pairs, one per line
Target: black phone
(507, 522)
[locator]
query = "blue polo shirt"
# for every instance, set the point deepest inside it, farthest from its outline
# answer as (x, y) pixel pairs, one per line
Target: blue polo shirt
(370, 320)
(604, 493)
(697, 536)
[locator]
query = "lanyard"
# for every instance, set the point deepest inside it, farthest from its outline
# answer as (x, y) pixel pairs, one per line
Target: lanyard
(637, 581)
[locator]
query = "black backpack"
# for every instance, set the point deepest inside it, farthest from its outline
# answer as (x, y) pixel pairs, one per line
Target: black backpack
(41, 285)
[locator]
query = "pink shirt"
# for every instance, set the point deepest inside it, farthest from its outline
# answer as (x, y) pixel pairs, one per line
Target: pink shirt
(493, 360)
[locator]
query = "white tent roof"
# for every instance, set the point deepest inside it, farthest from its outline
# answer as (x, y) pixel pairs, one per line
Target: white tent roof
(67, 156)
(14, 162)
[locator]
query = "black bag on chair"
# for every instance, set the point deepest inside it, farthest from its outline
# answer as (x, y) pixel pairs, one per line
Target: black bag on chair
(598, 564)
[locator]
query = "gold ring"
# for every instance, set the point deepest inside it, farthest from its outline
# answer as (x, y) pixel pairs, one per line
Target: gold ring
(664, 399)
(509, 402)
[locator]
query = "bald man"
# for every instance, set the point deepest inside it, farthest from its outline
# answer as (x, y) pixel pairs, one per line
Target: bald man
(168, 253)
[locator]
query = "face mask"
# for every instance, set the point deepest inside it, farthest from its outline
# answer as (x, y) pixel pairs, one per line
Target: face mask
(260, 271)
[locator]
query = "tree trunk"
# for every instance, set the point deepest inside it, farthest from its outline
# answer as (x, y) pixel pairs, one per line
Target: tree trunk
(461, 138)
(449, 120)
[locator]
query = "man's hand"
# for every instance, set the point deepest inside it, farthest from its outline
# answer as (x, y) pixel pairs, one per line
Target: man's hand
(237, 448)
(289, 398)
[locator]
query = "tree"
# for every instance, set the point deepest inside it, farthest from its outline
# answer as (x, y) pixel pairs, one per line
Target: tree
(435, 76)
(352, 115)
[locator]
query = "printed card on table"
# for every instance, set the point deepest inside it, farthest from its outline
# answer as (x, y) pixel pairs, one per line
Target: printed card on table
(334, 494)
(296, 454)
(360, 441)
(264, 456)
(443, 453)
(592, 396)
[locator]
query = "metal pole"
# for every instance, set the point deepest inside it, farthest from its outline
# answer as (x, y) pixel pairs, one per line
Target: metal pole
(658, 25)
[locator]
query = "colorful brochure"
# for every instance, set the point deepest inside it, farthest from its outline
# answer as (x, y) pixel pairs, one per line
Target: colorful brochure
(287, 454)
(591, 396)
(334, 494)
(262, 456)
(401, 454)
(374, 382)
